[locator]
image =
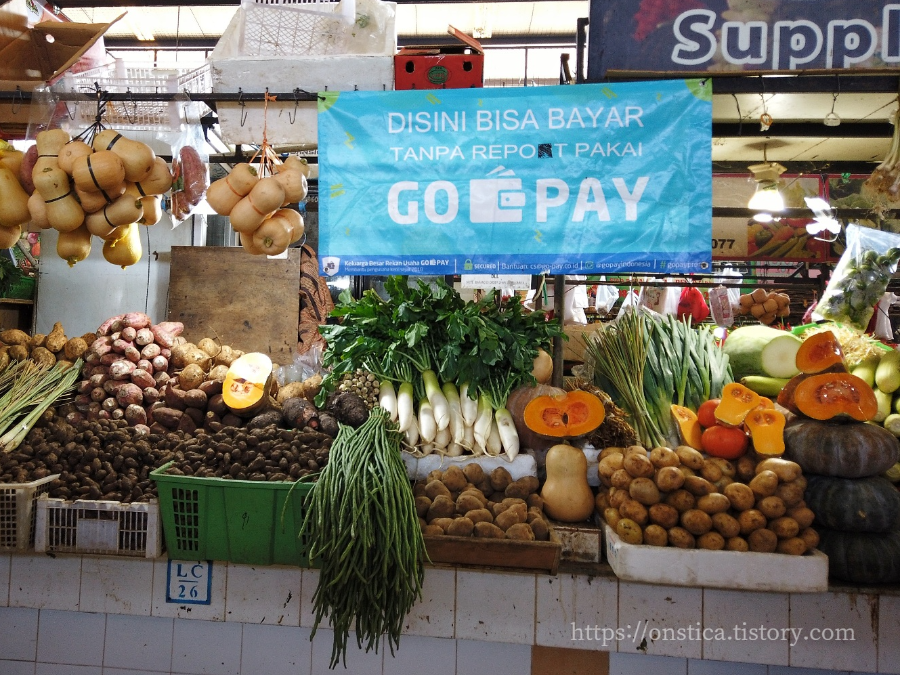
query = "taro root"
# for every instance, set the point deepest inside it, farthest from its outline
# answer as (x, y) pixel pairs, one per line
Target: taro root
(348, 408)
(299, 413)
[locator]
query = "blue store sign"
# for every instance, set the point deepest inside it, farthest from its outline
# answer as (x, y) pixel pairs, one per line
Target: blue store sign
(567, 179)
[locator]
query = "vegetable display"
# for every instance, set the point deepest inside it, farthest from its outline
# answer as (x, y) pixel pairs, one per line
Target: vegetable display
(362, 527)
(448, 365)
(647, 364)
(765, 305)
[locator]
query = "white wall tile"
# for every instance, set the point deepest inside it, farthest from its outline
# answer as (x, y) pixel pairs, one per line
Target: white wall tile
(42, 582)
(276, 649)
(816, 613)
(359, 661)
(131, 671)
(647, 613)
(417, 654)
(597, 605)
(263, 595)
(310, 579)
(16, 667)
(18, 636)
(784, 670)
(888, 634)
(698, 667)
(497, 658)
(642, 664)
(5, 564)
(116, 585)
(64, 669)
(214, 611)
(435, 614)
(732, 622)
(554, 616)
(206, 648)
(495, 606)
(71, 637)
(138, 642)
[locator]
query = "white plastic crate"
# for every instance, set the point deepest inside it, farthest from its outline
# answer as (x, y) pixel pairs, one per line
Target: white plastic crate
(17, 513)
(119, 78)
(98, 527)
(294, 27)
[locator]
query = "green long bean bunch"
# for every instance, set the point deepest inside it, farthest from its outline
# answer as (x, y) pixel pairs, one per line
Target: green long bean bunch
(362, 527)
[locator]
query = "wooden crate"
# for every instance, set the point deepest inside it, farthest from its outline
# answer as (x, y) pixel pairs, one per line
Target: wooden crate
(523, 556)
(249, 302)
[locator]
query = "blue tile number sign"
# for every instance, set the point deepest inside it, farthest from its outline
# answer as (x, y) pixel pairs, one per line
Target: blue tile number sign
(189, 582)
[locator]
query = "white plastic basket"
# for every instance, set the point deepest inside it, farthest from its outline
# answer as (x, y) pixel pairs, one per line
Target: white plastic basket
(17, 513)
(294, 27)
(98, 527)
(119, 78)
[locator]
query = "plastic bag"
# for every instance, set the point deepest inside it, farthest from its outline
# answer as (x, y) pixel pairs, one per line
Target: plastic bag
(720, 306)
(861, 277)
(605, 298)
(303, 366)
(731, 275)
(190, 170)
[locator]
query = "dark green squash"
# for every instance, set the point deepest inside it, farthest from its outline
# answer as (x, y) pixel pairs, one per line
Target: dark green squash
(853, 504)
(862, 557)
(836, 449)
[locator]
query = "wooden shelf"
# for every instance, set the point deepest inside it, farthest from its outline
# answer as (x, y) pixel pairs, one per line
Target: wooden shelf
(16, 301)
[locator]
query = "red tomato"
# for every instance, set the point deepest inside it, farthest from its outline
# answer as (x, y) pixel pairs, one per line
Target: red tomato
(706, 412)
(724, 442)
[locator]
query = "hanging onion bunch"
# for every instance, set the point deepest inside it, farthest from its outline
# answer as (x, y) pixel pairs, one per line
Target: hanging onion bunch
(883, 186)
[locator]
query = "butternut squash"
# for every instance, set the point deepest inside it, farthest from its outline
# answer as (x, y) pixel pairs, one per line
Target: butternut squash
(63, 211)
(294, 163)
(74, 246)
(294, 184)
(159, 180)
(11, 158)
(137, 157)
(296, 223)
(38, 210)
(70, 152)
(223, 194)
(766, 427)
(737, 401)
(126, 250)
(273, 236)
(99, 171)
(248, 245)
(49, 143)
(13, 199)
(265, 198)
(152, 205)
(566, 493)
(124, 210)
(92, 202)
(9, 235)
(248, 383)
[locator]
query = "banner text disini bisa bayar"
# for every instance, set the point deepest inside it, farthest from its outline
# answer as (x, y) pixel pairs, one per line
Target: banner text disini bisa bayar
(568, 180)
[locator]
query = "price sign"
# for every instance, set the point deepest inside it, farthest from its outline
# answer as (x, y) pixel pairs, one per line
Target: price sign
(517, 282)
(729, 238)
(189, 582)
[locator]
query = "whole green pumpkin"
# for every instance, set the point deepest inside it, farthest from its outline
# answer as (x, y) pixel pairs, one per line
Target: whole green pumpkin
(862, 557)
(853, 504)
(851, 450)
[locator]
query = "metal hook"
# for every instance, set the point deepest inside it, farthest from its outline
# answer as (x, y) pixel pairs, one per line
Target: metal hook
(131, 119)
(293, 118)
(243, 105)
(71, 113)
(18, 100)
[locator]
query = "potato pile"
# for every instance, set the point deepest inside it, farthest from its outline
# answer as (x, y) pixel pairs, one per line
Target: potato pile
(765, 305)
(45, 350)
(134, 367)
(467, 502)
(684, 499)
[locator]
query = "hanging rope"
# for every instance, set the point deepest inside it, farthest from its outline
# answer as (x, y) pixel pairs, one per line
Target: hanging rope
(267, 156)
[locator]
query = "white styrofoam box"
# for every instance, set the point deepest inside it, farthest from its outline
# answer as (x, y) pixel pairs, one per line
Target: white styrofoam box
(521, 466)
(733, 570)
(287, 121)
(98, 527)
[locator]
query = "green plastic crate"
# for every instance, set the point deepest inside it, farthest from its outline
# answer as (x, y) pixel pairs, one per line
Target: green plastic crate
(235, 520)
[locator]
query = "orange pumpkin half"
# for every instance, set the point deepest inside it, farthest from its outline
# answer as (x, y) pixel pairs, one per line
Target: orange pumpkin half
(567, 415)
(820, 352)
(835, 395)
(248, 383)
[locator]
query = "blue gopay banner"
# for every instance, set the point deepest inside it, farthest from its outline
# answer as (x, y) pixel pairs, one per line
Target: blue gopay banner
(567, 179)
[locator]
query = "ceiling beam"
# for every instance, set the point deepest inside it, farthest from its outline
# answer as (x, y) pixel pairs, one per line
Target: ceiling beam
(751, 130)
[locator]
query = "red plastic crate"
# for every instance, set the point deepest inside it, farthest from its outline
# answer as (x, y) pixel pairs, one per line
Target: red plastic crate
(444, 67)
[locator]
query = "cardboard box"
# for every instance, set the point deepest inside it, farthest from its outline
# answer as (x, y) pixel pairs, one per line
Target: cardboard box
(32, 57)
(441, 67)
(573, 348)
